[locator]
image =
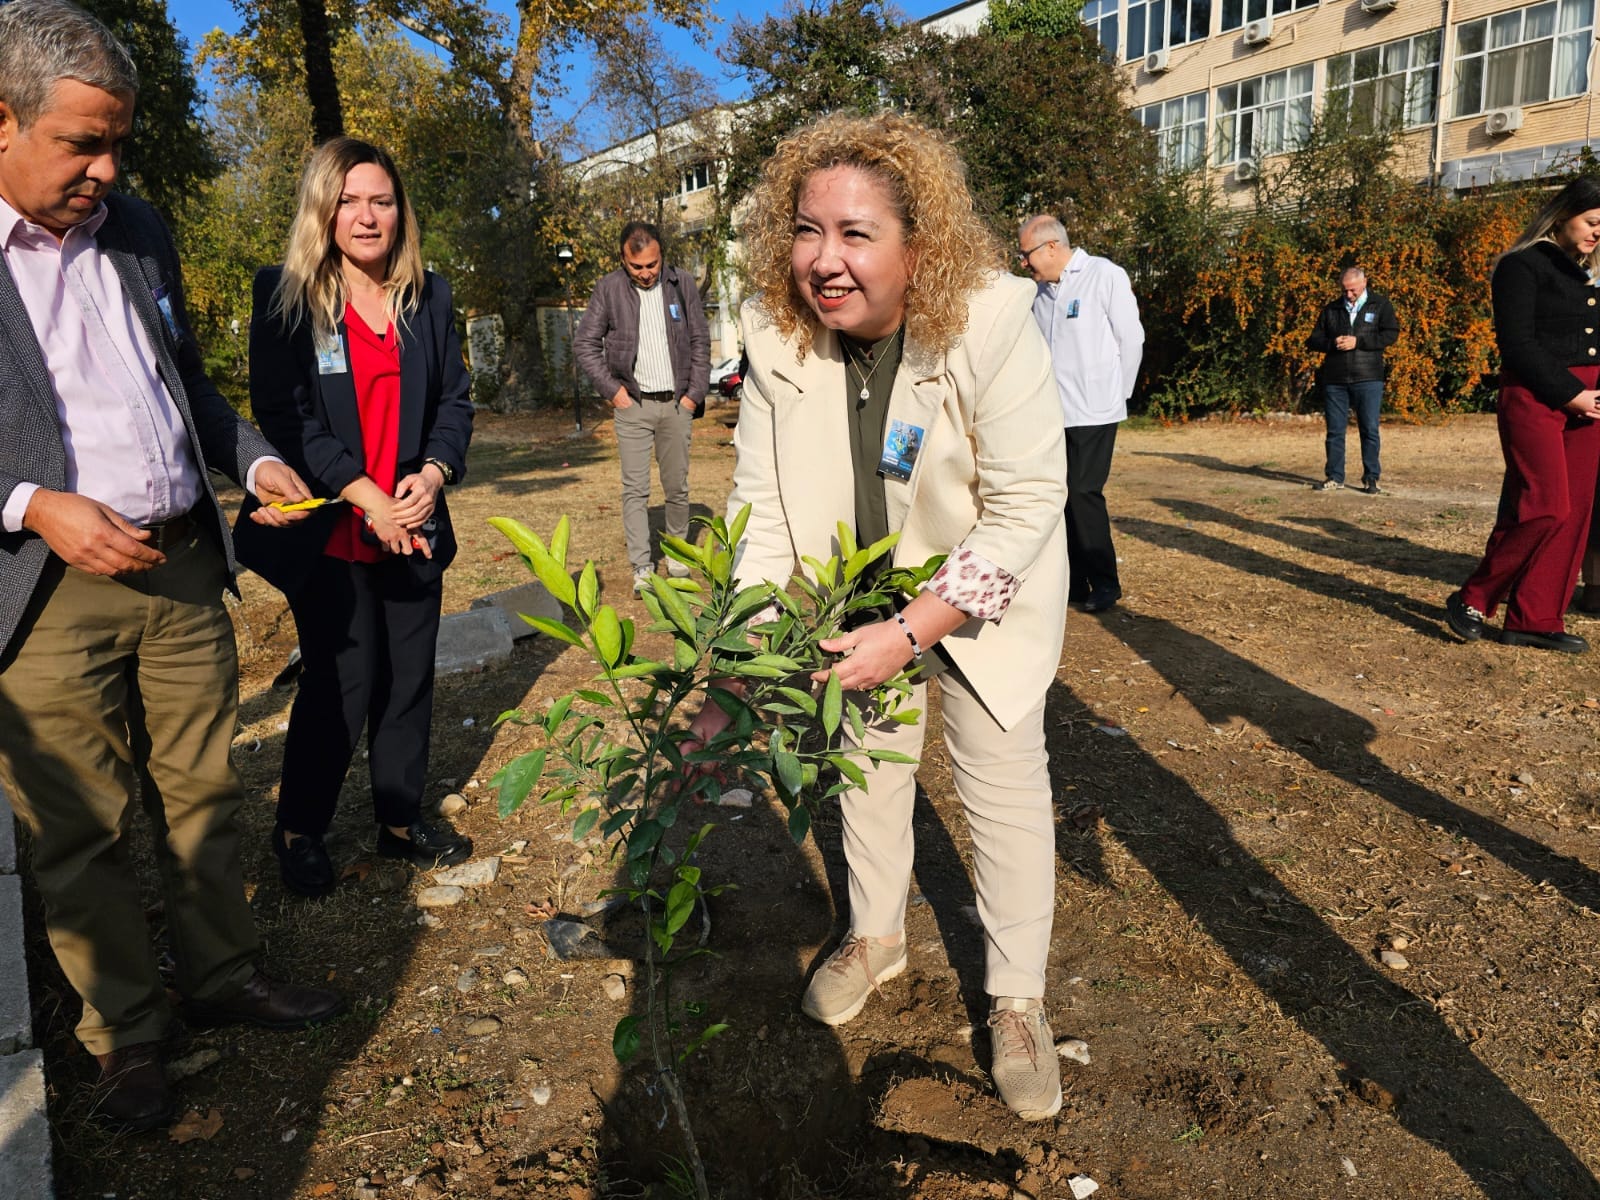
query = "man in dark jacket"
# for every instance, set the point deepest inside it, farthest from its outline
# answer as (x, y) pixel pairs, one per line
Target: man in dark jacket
(118, 675)
(1353, 333)
(644, 344)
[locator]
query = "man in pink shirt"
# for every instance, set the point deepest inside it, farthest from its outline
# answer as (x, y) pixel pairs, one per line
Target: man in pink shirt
(118, 676)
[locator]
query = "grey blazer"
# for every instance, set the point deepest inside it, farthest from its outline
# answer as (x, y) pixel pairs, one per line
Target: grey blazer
(608, 335)
(142, 250)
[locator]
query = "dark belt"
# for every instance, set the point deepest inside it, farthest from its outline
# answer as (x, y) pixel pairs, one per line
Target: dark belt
(170, 532)
(660, 397)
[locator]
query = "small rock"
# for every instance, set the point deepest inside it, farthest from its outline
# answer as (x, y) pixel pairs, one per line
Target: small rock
(469, 723)
(364, 1190)
(484, 1027)
(410, 1181)
(489, 952)
(616, 987)
(518, 846)
(1525, 778)
(480, 873)
(736, 798)
(1399, 942)
(192, 1064)
(440, 897)
(1082, 1186)
(1394, 960)
(1349, 1167)
(429, 921)
(516, 977)
(541, 1095)
(467, 980)
(1074, 1049)
(288, 1135)
(453, 805)
(243, 1173)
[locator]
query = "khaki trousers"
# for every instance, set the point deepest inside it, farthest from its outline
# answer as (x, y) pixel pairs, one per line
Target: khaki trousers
(1003, 780)
(662, 426)
(109, 682)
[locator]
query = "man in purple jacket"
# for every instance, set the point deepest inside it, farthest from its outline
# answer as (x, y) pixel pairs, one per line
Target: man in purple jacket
(644, 345)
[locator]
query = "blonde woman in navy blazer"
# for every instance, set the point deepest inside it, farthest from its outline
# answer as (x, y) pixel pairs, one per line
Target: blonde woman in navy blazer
(356, 378)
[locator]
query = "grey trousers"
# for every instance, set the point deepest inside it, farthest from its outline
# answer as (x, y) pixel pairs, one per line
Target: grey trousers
(663, 426)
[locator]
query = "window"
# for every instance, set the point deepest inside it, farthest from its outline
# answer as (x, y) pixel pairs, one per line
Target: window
(695, 179)
(1236, 12)
(1180, 129)
(1393, 84)
(1153, 24)
(1524, 56)
(1101, 16)
(1264, 115)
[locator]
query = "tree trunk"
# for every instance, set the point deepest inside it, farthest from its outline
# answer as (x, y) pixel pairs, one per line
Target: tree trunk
(322, 86)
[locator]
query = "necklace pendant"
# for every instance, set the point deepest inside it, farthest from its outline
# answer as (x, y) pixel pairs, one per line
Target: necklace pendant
(863, 394)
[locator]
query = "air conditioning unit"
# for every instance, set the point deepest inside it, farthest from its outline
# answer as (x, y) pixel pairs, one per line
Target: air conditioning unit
(1245, 170)
(1501, 121)
(1378, 6)
(1258, 33)
(1157, 61)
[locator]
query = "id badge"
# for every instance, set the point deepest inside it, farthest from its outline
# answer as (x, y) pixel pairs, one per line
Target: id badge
(330, 355)
(900, 449)
(163, 298)
(673, 309)
(1370, 316)
(1072, 308)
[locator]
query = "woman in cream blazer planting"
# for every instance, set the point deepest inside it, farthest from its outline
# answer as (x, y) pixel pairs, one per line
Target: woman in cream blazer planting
(898, 383)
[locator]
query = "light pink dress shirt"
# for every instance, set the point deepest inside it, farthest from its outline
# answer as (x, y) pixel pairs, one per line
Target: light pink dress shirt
(125, 438)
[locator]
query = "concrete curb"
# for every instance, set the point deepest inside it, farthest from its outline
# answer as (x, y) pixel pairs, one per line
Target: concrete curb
(25, 1172)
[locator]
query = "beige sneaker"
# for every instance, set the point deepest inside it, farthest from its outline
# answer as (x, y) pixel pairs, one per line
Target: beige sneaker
(1026, 1070)
(841, 985)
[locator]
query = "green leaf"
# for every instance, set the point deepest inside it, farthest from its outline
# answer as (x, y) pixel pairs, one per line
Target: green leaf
(700, 1039)
(736, 530)
(617, 820)
(558, 542)
(556, 715)
(585, 822)
(804, 699)
(588, 589)
(594, 697)
(556, 629)
(788, 771)
(512, 714)
(607, 632)
(882, 546)
(680, 905)
(756, 671)
(847, 539)
(625, 1038)
(698, 837)
(672, 605)
(832, 702)
(858, 727)
(549, 571)
(782, 661)
(799, 823)
(639, 670)
(749, 602)
(684, 655)
(849, 769)
(689, 873)
(516, 779)
(855, 564)
(890, 756)
(644, 837)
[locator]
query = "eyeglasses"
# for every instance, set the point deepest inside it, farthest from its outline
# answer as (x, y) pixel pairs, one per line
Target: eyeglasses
(1027, 254)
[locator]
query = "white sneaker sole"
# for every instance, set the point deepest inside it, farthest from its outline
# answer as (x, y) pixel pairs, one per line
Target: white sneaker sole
(1041, 1114)
(854, 1010)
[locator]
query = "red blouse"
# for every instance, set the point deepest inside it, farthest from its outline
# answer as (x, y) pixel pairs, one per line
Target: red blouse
(375, 372)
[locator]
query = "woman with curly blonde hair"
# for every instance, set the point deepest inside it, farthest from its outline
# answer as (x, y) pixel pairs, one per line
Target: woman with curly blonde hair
(898, 383)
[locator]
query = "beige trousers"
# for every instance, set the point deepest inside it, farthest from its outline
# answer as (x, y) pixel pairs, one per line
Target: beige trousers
(1003, 781)
(110, 680)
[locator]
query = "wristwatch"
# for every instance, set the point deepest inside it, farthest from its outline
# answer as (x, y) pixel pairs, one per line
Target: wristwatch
(445, 468)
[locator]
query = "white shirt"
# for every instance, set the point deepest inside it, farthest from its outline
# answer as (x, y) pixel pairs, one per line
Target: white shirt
(1091, 321)
(652, 363)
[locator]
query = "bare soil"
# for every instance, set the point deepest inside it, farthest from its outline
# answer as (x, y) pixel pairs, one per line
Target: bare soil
(1272, 764)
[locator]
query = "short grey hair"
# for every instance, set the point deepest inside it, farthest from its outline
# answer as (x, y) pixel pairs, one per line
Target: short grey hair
(1043, 223)
(1349, 271)
(43, 41)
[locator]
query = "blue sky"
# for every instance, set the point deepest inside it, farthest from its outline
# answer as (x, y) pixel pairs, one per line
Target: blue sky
(196, 18)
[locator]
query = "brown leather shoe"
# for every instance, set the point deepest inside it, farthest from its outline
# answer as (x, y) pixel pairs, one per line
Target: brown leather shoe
(269, 1003)
(132, 1093)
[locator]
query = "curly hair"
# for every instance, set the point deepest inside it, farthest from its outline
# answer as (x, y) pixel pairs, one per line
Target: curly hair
(952, 252)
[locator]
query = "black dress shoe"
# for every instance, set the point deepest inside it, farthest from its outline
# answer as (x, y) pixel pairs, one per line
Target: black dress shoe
(430, 845)
(132, 1093)
(304, 864)
(1567, 643)
(269, 1003)
(1101, 599)
(1465, 621)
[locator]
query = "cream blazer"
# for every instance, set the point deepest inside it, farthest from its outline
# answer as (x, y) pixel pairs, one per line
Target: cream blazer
(991, 475)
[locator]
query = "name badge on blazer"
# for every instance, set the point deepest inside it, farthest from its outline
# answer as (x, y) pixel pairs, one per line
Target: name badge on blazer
(330, 354)
(675, 311)
(163, 298)
(1369, 317)
(900, 449)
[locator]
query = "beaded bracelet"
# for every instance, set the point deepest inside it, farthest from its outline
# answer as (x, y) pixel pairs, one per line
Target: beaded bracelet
(916, 650)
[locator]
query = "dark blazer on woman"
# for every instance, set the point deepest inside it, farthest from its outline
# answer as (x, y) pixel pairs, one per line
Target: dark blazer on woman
(1546, 319)
(313, 421)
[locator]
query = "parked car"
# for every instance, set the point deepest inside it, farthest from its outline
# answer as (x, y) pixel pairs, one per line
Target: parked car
(727, 378)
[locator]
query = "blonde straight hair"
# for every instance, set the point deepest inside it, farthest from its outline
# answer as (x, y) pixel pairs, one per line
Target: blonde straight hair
(312, 285)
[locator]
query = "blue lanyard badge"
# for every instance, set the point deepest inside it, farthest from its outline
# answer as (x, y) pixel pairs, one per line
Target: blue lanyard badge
(330, 354)
(163, 298)
(900, 450)
(673, 309)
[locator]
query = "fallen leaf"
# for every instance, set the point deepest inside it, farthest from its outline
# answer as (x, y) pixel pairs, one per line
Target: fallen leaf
(324, 1189)
(193, 1126)
(357, 870)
